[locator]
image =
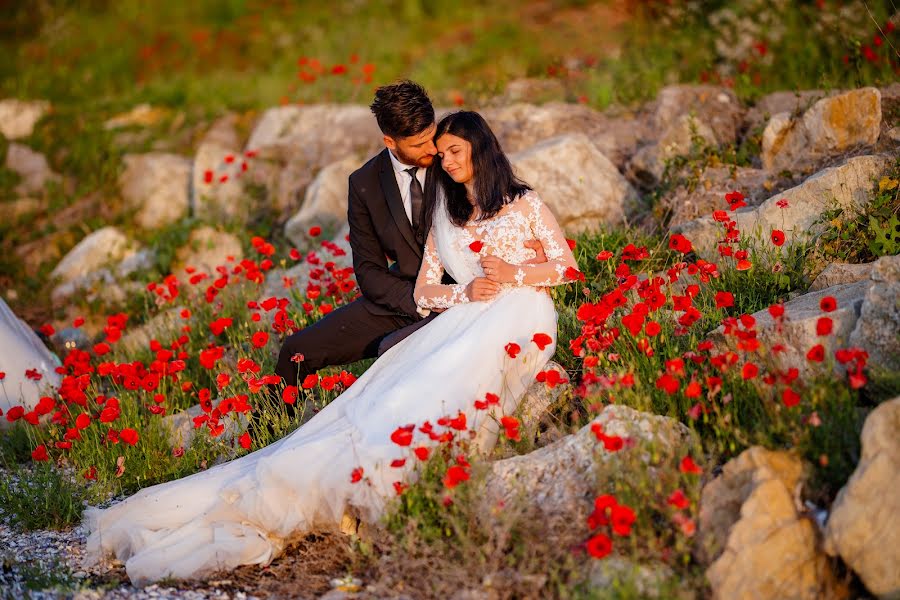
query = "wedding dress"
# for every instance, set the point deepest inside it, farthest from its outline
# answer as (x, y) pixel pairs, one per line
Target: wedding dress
(246, 511)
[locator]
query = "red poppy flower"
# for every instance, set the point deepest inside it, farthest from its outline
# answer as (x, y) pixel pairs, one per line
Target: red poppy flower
(356, 475)
(604, 255)
(129, 436)
(724, 299)
(668, 384)
(571, 244)
(652, 328)
(621, 519)
(245, 441)
(777, 311)
(39, 454)
(402, 436)
(542, 340)
(678, 499)
(599, 546)
(512, 349)
(828, 304)
(315, 231)
(824, 326)
(289, 394)
(573, 274)
(777, 237)
(398, 462)
(743, 265)
(455, 475)
(421, 453)
(310, 381)
(476, 246)
(790, 398)
(679, 243)
(688, 465)
(816, 353)
(749, 371)
(260, 338)
(82, 421)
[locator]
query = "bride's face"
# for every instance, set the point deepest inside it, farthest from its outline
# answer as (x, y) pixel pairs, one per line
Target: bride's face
(456, 157)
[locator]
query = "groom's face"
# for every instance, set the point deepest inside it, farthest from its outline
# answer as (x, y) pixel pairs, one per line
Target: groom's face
(416, 150)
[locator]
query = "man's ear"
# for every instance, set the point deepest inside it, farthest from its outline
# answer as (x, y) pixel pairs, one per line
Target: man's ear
(390, 143)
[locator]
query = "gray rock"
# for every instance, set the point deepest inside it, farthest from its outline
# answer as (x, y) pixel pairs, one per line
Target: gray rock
(179, 427)
(847, 185)
(837, 273)
(796, 103)
(104, 283)
(751, 533)
(717, 107)
(830, 126)
(206, 249)
(218, 200)
(156, 186)
(96, 250)
(557, 481)
(579, 184)
(18, 117)
(325, 203)
(878, 327)
(709, 193)
(864, 525)
(32, 167)
(163, 327)
(649, 164)
(520, 126)
(651, 580)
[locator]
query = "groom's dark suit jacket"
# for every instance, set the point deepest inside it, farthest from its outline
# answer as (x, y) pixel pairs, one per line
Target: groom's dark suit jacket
(379, 232)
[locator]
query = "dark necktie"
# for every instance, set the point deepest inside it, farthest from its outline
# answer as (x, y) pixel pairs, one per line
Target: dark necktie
(417, 201)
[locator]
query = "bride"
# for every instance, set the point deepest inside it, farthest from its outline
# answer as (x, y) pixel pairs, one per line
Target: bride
(248, 510)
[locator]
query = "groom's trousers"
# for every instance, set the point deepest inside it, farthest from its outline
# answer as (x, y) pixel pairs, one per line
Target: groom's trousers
(345, 335)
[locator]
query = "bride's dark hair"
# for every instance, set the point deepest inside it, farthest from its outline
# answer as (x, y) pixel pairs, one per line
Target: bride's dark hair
(495, 183)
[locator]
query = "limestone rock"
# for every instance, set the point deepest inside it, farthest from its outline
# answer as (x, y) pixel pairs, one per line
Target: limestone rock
(520, 126)
(579, 184)
(219, 200)
(557, 481)
(142, 115)
(838, 273)
(538, 399)
(293, 145)
(104, 283)
(156, 186)
(864, 525)
(179, 427)
(751, 533)
(223, 132)
(717, 107)
(206, 249)
(649, 164)
(18, 117)
(163, 327)
(796, 102)
(98, 249)
(31, 166)
(325, 203)
(654, 580)
(830, 126)
(847, 185)
(878, 327)
(709, 193)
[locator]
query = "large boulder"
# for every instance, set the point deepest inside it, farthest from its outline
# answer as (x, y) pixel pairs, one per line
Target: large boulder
(557, 482)
(520, 126)
(649, 164)
(838, 273)
(18, 117)
(294, 142)
(864, 525)
(23, 350)
(96, 250)
(795, 102)
(752, 537)
(206, 249)
(717, 107)
(106, 283)
(831, 126)
(878, 327)
(579, 184)
(155, 186)
(847, 185)
(325, 203)
(31, 167)
(708, 193)
(867, 317)
(217, 185)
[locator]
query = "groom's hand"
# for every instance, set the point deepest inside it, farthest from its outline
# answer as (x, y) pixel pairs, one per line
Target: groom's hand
(538, 248)
(481, 288)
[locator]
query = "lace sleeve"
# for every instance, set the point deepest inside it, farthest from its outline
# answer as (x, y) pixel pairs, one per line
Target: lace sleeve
(429, 291)
(559, 256)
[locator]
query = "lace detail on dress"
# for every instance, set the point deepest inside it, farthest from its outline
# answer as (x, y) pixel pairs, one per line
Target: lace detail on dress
(504, 236)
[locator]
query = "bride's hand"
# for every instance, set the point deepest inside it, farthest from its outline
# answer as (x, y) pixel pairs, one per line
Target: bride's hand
(539, 256)
(498, 270)
(480, 289)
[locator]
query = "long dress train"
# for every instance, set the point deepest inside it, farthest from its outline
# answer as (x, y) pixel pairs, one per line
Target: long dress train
(246, 511)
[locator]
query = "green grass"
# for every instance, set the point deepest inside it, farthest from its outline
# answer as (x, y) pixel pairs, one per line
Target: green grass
(40, 497)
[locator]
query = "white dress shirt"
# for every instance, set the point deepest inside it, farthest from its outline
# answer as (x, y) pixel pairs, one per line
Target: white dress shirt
(403, 181)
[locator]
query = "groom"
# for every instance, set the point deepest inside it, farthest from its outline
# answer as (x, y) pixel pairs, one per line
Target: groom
(388, 216)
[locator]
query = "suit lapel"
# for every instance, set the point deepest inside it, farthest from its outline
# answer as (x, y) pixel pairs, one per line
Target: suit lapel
(395, 203)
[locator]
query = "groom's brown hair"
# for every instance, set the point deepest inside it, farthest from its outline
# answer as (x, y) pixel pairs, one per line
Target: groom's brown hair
(402, 109)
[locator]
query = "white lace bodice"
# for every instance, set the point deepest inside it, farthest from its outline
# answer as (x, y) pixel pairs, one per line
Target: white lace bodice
(450, 248)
